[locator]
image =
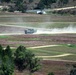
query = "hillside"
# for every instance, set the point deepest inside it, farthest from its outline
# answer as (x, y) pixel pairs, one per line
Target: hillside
(33, 4)
(59, 4)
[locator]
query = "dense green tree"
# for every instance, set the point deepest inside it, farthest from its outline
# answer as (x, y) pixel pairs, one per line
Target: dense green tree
(20, 58)
(5, 1)
(1, 49)
(8, 51)
(30, 1)
(50, 73)
(25, 59)
(48, 2)
(20, 5)
(6, 62)
(73, 70)
(40, 6)
(34, 65)
(45, 3)
(32, 62)
(64, 1)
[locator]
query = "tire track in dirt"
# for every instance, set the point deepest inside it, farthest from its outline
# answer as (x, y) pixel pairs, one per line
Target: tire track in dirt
(11, 34)
(54, 56)
(43, 46)
(62, 55)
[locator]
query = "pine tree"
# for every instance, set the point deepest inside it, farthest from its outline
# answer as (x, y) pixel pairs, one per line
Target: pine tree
(6, 62)
(25, 59)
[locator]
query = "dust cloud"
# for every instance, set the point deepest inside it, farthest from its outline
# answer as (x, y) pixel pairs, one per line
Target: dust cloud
(69, 29)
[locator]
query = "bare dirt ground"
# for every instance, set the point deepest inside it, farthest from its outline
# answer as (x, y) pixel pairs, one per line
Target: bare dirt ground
(57, 67)
(38, 40)
(11, 29)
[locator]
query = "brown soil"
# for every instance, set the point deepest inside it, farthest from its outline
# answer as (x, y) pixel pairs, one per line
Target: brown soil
(37, 40)
(57, 67)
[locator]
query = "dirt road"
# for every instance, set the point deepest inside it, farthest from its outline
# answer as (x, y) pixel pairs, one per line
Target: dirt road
(43, 46)
(62, 55)
(65, 8)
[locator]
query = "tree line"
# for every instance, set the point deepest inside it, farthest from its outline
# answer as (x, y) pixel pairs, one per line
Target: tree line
(22, 59)
(21, 5)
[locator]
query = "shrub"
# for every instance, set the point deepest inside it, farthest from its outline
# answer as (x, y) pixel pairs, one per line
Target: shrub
(50, 73)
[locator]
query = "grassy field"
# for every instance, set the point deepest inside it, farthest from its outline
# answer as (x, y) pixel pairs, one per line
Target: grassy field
(58, 50)
(20, 18)
(36, 20)
(57, 65)
(37, 40)
(55, 56)
(44, 40)
(47, 24)
(44, 25)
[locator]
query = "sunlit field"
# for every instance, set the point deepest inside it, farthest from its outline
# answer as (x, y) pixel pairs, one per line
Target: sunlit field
(58, 30)
(53, 52)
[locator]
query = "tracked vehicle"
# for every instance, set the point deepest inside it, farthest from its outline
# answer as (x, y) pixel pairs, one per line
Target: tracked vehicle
(30, 31)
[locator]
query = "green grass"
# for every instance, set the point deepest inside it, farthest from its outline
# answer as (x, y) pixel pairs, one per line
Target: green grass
(59, 50)
(3, 37)
(38, 21)
(70, 57)
(64, 49)
(48, 25)
(62, 24)
(44, 52)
